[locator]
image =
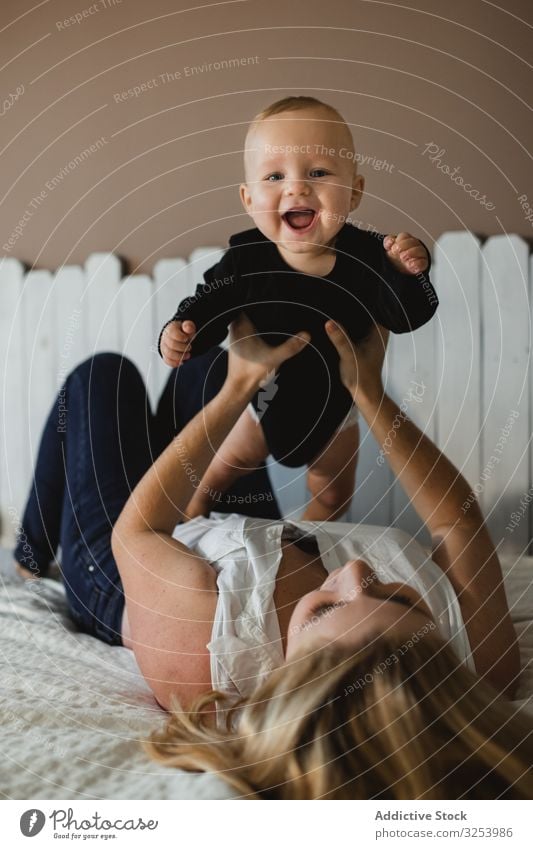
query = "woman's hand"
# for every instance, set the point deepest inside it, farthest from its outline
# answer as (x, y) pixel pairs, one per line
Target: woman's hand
(361, 364)
(251, 362)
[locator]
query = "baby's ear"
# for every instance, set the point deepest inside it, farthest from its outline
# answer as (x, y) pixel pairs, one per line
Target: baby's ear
(246, 197)
(358, 187)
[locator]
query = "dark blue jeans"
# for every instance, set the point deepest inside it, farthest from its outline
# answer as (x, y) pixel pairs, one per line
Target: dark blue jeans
(99, 439)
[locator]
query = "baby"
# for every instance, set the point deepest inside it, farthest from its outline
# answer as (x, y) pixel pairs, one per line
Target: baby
(302, 265)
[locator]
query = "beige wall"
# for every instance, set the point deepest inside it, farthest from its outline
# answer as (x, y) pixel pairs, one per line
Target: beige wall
(164, 177)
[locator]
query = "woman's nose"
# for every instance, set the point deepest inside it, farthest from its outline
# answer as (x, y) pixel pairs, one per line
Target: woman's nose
(354, 577)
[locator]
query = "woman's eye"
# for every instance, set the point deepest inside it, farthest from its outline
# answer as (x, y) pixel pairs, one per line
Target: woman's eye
(324, 608)
(404, 599)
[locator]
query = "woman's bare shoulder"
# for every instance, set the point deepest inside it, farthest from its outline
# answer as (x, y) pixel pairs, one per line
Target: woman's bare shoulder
(171, 598)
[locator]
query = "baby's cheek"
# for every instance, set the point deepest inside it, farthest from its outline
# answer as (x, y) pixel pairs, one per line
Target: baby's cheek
(337, 199)
(261, 213)
(264, 199)
(267, 219)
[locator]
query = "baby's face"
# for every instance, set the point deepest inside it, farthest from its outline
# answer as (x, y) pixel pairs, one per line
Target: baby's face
(300, 160)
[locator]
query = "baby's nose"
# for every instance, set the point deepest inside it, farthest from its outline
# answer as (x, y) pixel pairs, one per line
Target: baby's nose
(296, 185)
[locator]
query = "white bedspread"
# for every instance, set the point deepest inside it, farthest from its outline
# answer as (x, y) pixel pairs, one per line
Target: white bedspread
(73, 710)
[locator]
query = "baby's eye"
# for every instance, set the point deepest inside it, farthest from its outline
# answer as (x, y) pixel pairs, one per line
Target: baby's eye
(319, 172)
(273, 178)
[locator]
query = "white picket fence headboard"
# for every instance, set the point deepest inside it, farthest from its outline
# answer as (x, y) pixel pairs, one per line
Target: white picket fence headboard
(464, 378)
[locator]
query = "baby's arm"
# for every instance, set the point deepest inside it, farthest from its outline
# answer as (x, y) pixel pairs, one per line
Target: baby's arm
(406, 297)
(201, 320)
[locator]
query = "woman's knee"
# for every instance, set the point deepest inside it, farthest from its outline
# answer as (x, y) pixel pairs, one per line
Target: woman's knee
(107, 365)
(107, 374)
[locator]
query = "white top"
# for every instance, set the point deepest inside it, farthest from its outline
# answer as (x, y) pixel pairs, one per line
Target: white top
(245, 643)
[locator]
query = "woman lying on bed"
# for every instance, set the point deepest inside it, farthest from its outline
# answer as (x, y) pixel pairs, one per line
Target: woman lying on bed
(292, 665)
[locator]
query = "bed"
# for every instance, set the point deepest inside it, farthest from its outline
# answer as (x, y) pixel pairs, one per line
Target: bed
(74, 711)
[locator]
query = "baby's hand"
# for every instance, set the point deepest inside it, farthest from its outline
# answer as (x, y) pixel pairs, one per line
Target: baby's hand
(406, 253)
(175, 342)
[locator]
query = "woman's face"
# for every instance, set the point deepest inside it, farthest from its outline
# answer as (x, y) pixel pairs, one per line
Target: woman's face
(352, 603)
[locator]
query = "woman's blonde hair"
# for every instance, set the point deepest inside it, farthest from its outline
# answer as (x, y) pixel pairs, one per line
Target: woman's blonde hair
(379, 722)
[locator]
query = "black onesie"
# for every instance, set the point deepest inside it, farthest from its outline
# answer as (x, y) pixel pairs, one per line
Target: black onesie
(362, 288)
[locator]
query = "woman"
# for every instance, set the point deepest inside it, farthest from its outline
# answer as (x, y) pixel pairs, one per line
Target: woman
(360, 684)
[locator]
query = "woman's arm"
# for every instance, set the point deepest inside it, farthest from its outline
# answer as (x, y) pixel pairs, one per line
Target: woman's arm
(170, 591)
(462, 546)
(159, 500)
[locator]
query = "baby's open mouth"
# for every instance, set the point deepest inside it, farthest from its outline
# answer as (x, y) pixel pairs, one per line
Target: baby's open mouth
(299, 219)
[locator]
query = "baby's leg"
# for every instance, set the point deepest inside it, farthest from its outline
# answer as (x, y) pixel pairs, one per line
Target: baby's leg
(243, 450)
(331, 477)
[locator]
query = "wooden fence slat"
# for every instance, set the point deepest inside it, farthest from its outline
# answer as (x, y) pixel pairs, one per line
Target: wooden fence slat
(14, 458)
(40, 386)
(134, 308)
(38, 314)
(504, 477)
(200, 259)
(102, 273)
(69, 284)
(458, 347)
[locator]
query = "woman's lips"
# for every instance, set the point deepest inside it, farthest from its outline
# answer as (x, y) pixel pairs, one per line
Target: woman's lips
(300, 221)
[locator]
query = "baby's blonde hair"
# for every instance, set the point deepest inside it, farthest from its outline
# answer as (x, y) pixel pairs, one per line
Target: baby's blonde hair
(296, 103)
